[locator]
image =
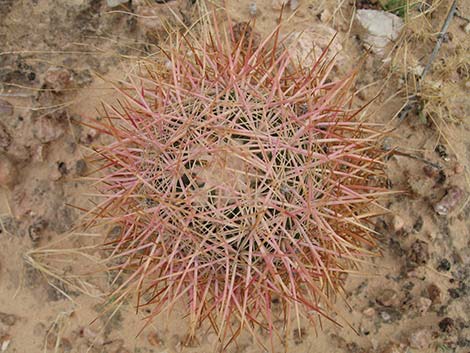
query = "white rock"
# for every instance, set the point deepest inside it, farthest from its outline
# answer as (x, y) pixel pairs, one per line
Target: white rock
(308, 46)
(382, 28)
(253, 9)
(114, 3)
(397, 223)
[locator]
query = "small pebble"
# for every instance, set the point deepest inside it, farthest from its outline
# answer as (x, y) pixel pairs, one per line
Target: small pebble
(325, 16)
(430, 171)
(81, 167)
(294, 4)
(444, 265)
(47, 130)
(419, 252)
(154, 339)
(434, 293)
(453, 196)
(420, 339)
(88, 135)
(8, 319)
(388, 298)
(447, 325)
(39, 153)
(459, 168)
(385, 316)
(467, 28)
(4, 342)
(397, 223)
(36, 229)
(423, 304)
(442, 152)
(369, 312)
(253, 9)
(58, 78)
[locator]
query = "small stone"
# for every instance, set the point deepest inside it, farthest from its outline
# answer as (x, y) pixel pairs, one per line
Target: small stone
(467, 28)
(385, 316)
(420, 339)
(36, 229)
(417, 70)
(397, 223)
(47, 130)
(419, 252)
(434, 293)
(449, 201)
(388, 298)
(115, 3)
(369, 312)
(81, 167)
(253, 9)
(447, 325)
(8, 172)
(431, 171)
(54, 173)
(444, 265)
(8, 319)
(39, 153)
(325, 15)
(294, 4)
(5, 138)
(382, 28)
(423, 304)
(88, 135)
(6, 109)
(4, 342)
(308, 46)
(154, 339)
(58, 78)
(459, 168)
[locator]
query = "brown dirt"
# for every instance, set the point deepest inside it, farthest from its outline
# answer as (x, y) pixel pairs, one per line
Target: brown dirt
(56, 62)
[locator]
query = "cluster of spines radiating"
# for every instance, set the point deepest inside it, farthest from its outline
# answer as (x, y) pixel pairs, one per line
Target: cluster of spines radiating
(243, 184)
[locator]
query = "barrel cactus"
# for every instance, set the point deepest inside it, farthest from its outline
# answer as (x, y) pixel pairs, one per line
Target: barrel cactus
(243, 183)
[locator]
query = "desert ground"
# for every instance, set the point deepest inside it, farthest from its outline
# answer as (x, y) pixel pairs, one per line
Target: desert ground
(58, 62)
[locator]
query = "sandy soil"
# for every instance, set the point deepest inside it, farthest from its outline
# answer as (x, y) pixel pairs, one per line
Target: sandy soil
(56, 62)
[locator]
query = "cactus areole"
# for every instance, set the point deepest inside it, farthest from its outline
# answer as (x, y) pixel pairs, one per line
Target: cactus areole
(243, 184)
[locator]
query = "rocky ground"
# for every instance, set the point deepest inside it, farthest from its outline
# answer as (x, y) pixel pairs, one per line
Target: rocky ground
(57, 62)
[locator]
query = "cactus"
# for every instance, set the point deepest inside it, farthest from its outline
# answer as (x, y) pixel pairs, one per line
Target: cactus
(243, 183)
